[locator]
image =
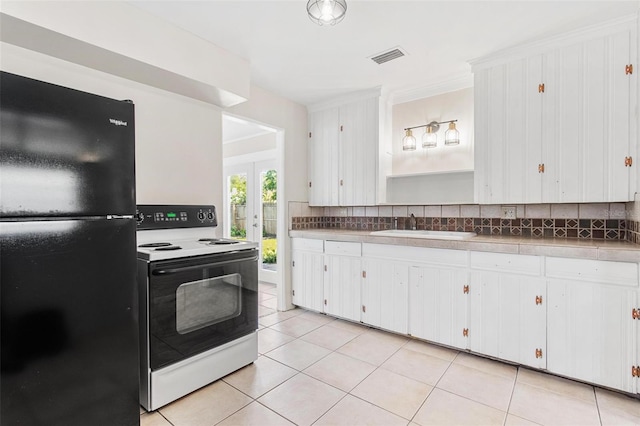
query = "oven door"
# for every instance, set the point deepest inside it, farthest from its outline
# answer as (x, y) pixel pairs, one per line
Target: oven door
(199, 303)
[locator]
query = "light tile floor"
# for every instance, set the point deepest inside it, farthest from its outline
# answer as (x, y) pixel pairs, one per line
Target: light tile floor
(314, 369)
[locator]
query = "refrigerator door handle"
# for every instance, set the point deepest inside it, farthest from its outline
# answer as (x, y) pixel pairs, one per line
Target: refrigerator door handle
(119, 216)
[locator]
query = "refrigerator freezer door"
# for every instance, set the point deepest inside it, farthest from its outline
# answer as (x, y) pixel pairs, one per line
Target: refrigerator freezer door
(64, 152)
(69, 336)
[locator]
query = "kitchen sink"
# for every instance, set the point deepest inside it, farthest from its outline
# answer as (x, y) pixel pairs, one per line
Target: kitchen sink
(434, 235)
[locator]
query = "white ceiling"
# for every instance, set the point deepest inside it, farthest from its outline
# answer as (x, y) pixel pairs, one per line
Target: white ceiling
(236, 129)
(295, 58)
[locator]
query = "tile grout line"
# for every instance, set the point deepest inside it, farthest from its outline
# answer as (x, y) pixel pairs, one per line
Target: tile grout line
(298, 372)
(239, 409)
(163, 416)
(275, 412)
(376, 369)
(365, 378)
(595, 395)
(336, 351)
(513, 390)
(435, 386)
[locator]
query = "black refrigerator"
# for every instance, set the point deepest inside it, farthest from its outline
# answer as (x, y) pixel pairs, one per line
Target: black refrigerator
(68, 298)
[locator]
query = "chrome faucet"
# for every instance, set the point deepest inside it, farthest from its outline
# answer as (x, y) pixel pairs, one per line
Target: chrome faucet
(412, 222)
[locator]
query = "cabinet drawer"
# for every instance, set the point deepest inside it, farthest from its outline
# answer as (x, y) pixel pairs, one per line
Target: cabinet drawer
(620, 273)
(343, 248)
(517, 263)
(307, 244)
(416, 254)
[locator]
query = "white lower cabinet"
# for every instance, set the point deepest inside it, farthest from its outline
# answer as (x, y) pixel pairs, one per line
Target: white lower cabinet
(508, 318)
(590, 313)
(385, 294)
(308, 273)
(342, 279)
(574, 317)
(438, 304)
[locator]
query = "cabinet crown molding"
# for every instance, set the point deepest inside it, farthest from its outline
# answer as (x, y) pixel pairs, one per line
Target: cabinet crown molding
(548, 43)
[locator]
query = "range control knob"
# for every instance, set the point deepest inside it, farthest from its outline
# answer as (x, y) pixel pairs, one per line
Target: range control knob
(201, 216)
(210, 216)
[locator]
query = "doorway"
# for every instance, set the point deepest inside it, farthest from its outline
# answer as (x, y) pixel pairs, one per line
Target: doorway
(252, 211)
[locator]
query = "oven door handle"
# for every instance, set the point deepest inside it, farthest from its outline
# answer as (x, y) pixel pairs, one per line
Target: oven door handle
(206, 265)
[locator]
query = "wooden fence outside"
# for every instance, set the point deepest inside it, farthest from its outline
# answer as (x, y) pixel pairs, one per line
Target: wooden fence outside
(269, 217)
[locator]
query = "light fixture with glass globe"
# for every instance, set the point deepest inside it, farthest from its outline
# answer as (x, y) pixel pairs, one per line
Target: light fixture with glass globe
(430, 138)
(452, 136)
(326, 12)
(409, 141)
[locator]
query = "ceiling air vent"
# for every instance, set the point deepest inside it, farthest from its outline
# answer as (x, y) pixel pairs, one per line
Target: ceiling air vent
(390, 55)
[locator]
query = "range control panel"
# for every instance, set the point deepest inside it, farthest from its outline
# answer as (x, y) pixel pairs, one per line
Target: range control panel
(156, 216)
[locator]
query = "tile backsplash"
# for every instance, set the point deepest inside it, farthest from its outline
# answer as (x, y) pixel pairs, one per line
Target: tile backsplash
(602, 221)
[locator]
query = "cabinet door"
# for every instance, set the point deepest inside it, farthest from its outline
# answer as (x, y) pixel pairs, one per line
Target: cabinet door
(508, 132)
(385, 294)
(359, 152)
(621, 131)
(495, 139)
(323, 159)
(508, 317)
(438, 305)
(307, 279)
(342, 286)
(481, 148)
(591, 331)
(587, 120)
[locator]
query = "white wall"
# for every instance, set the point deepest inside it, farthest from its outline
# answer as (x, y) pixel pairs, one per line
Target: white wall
(119, 38)
(267, 108)
(178, 139)
(457, 105)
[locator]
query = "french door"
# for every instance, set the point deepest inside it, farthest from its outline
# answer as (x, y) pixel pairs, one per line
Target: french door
(251, 211)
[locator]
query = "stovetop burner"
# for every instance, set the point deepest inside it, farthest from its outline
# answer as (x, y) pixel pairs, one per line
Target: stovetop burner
(154, 245)
(217, 241)
(169, 244)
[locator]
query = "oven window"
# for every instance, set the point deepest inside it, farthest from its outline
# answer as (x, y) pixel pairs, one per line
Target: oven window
(202, 303)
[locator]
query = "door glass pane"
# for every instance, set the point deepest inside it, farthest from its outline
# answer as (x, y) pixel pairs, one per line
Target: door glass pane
(269, 184)
(238, 205)
(206, 302)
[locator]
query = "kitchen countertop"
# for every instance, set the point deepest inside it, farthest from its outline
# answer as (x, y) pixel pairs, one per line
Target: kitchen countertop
(622, 251)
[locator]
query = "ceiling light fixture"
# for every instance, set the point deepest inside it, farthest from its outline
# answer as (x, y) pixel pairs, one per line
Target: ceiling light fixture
(430, 137)
(326, 12)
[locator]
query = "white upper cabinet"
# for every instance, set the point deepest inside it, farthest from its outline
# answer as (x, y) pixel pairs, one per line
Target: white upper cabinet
(560, 124)
(324, 142)
(344, 153)
(508, 148)
(359, 152)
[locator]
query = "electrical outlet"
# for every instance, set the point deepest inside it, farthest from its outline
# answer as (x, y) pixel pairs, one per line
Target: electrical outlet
(508, 212)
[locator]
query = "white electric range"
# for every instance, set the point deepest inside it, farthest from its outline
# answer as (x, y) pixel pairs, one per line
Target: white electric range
(172, 232)
(198, 302)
